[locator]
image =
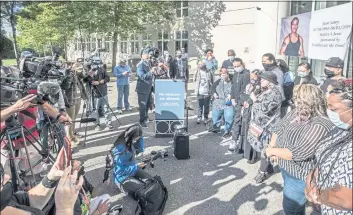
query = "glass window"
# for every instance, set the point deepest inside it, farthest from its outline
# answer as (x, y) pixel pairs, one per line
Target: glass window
(181, 40)
(147, 40)
(123, 47)
(298, 7)
(182, 9)
(107, 44)
(163, 40)
(325, 4)
(134, 44)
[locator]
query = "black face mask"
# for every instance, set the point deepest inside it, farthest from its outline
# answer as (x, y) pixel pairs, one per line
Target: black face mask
(267, 67)
(5, 194)
(329, 73)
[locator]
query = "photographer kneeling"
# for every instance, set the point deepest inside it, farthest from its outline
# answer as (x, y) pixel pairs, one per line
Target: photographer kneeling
(128, 174)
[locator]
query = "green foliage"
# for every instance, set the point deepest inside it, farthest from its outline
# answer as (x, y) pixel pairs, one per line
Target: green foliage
(9, 62)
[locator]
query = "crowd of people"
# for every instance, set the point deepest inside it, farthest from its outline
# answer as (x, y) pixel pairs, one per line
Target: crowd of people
(277, 117)
(285, 121)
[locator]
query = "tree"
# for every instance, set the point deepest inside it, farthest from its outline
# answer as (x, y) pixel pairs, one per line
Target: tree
(203, 19)
(9, 10)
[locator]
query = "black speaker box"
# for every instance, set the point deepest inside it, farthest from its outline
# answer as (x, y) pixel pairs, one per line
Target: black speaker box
(181, 146)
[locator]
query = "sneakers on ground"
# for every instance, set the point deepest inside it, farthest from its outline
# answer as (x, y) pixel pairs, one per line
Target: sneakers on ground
(198, 121)
(227, 134)
(110, 126)
(98, 128)
(205, 121)
(232, 146)
(128, 109)
(120, 111)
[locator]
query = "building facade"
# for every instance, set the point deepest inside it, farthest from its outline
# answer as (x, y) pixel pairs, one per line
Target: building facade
(250, 28)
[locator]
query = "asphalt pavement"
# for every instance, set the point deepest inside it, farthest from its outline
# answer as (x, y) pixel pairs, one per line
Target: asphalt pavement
(212, 182)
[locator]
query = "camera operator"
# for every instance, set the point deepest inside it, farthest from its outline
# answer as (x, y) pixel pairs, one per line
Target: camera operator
(73, 96)
(144, 85)
(128, 174)
(99, 80)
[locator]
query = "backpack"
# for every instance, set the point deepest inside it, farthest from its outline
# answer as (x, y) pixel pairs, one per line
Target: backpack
(152, 197)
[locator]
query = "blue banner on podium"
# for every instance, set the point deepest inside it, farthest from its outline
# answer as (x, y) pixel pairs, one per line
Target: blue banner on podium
(169, 105)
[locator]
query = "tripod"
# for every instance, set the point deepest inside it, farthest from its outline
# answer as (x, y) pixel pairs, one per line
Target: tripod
(91, 100)
(12, 132)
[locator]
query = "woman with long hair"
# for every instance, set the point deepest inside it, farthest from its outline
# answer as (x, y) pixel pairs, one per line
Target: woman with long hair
(294, 141)
(331, 181)
(265, 113)
(304, 75)
(128, 174)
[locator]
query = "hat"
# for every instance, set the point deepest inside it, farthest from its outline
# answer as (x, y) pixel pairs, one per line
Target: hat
(269, 76)
(122, 61)
(335, 62)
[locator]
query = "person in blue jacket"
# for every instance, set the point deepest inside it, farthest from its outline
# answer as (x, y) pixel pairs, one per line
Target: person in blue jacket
(128, 174)
(122, 72)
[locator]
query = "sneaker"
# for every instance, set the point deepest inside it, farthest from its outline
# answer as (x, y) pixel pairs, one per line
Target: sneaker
(98, 128)
(205, 121)
(78, 135)
(120, 112)
(232, 146)
(198, 120)
(128, 109)
(227, 134)
(215, 129)
(143, 125)
(147, 120)
(110, 126)
(260, 177)
(115, 210)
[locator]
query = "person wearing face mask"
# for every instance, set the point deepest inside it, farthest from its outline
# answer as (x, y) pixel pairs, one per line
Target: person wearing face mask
(265, 113)
(228, 64)
(180, 70)
(203, 79)
(144, 86)
(122, 72)
(185, 55)
(330, 183)
(304, 75)
(333, 71)
(269, 63)
(222, 105)
(242, 119)
(128, 174)
(241, 78)
(288, 85)
(168, 61)
(211, 62)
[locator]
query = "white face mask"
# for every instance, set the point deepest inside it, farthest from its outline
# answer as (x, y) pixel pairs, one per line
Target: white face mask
(231, 58)
(335, 119)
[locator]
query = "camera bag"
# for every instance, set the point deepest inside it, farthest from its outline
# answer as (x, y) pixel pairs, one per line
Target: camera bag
(152, 197)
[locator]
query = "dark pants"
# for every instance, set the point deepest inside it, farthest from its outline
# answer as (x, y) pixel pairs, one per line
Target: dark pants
(238, 122)
(132, 184)
(58, 131)
(293, 194)
(265, 165)
(203, 106)
(144, 101)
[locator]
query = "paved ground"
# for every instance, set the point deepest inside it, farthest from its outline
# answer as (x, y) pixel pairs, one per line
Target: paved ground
(211, 182)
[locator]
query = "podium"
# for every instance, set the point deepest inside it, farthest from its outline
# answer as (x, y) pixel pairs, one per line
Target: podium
(169, 106)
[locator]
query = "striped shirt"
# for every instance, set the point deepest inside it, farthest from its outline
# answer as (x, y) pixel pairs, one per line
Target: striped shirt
(301, 138)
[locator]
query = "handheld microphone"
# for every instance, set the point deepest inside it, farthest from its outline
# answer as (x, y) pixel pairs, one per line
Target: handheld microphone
(85, 120)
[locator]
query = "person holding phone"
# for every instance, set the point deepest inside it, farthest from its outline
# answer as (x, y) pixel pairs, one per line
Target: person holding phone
(35, 200)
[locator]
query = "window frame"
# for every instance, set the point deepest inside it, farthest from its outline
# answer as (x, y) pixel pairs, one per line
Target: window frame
(123, 45)
(147, 40)
(181, 40)
(134, 40)
(163, 40)
(181, 8)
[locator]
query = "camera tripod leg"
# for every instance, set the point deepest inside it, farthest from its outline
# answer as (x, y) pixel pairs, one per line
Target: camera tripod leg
(14, 174)
(100, 94)
(26, 149)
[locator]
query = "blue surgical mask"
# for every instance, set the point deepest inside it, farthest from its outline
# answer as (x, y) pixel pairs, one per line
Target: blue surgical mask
(335, 119)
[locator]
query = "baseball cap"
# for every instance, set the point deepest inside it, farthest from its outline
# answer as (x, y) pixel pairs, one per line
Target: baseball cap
(335, 62)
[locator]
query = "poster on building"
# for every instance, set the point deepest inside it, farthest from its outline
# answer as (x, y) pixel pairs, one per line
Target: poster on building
(169, 99)
(330, 32)
(294, 37)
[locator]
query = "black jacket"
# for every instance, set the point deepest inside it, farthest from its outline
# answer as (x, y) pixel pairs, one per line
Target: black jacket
(175, 74)
(101, 74)
(309, 80)
(240, 80)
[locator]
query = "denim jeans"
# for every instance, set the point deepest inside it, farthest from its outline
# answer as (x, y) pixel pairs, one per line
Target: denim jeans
(203, 106)
(102, 101)
(293, 194)
(123, 91)
(227, 113)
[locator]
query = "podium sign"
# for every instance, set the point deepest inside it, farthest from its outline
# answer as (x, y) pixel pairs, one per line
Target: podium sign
(169, 105)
